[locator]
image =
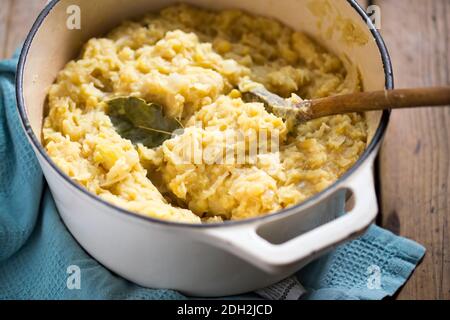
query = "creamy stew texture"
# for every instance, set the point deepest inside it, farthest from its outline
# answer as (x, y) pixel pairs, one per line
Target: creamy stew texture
(193, 63)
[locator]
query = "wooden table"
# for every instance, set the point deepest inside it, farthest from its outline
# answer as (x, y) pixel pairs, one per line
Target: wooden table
(414, 165)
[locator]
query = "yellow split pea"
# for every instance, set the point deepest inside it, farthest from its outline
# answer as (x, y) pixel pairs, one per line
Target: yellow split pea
(192, 61)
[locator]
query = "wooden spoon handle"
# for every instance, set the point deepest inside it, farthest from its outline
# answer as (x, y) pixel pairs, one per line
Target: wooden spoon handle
(379, 100)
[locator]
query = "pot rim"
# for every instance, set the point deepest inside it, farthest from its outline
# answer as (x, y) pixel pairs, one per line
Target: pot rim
(376, 140)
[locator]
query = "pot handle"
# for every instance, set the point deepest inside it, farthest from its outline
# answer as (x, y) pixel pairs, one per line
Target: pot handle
(245, 242)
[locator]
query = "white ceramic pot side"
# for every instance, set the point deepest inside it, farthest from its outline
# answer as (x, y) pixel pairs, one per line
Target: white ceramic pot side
(202, 261)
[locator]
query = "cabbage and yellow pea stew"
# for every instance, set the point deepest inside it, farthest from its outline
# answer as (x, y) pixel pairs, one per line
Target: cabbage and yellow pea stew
(152, 117)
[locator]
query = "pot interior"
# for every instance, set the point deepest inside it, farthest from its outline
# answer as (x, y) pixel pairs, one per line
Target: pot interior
(334, 24)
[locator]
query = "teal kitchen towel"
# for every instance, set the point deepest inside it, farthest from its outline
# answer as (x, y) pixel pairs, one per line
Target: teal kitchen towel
(38, 255)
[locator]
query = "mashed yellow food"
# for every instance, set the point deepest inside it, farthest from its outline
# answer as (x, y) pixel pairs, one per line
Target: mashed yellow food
(191, 61)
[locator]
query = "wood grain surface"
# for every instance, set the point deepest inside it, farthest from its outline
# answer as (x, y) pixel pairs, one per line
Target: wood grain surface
(415, 158)
(16, 19)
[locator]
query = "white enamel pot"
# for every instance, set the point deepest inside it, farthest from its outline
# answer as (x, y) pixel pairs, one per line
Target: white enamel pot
(204, 260)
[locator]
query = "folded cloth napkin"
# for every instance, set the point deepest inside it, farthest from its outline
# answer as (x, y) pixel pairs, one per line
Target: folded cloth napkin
(37, 253)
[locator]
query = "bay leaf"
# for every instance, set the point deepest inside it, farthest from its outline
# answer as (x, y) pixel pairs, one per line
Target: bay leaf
(141, 122)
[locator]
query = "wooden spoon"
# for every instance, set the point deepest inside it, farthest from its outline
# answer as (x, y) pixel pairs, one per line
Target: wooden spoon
(355, 102)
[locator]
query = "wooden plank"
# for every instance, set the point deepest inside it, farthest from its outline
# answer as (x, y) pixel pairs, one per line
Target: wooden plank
(415, 158)
(4, 25)
(21, 17)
